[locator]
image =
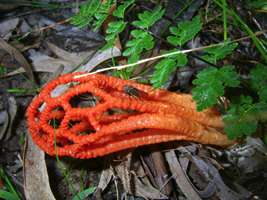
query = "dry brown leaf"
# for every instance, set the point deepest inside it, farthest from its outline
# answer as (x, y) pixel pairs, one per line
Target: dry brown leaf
(44, 63)
(133, 180)
(7, 27)
(105, 178)
(18, 57)
(155, 166)
(9, 116)
(12, 111)
(71, 57)
(180, 177)
(100, 57)
(36, 182)
(4, 121)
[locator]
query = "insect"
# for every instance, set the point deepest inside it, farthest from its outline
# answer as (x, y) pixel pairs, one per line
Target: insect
(131, 91)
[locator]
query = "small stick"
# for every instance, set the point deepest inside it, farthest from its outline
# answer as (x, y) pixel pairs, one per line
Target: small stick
(120, 67)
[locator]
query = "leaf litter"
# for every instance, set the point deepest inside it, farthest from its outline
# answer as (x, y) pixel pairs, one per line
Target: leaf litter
(188, 170)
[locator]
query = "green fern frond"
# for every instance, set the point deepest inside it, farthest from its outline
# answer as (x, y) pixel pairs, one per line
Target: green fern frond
(86, 13)
(218, 53)
(259, 81)
(210, 85)
(184, 31)
(165, 67)
(148, 18)
(92, 13)
(116, 27)
(119, 12)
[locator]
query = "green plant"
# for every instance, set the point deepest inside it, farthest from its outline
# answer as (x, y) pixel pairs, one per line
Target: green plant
(141, 40)
(257, 4)
(165, 67)
(180, 34)
(210, 85)
(23, 90)
(2, 70)
(116, 27)
(218, 53)
(184, 31)
(8, 192)
(244, 113)
(258, 43)
(92, 13)
(84, 194)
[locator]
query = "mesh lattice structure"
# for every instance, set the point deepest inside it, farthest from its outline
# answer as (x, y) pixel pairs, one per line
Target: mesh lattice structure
(98, 114)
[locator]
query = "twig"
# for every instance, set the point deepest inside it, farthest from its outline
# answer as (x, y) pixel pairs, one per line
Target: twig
(120, 67)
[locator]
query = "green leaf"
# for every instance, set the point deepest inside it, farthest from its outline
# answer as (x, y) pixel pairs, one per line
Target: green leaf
(141, 41)
(8, 195)
(11, 192)
(215, 54)
(119, 12)
(184, 31)
(181, 60)
(229, 76)
(102, 14)
(210, 85)
(162, 72)
(257, 4)
(259, 81)
(93, 12)
(113, 30)
(84, 194)
(236, 128)
(206, 95)
(148, 18)
(86, 13)
(238, 120)
(165, 67)
(2, 70)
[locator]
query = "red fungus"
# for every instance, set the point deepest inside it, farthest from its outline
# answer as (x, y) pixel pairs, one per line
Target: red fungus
(117, 120)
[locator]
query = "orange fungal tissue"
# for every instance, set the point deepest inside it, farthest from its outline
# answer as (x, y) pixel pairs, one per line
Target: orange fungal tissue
(95, 115)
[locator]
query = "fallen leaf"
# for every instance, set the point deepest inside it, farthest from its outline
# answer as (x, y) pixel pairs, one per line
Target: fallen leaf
(179, 176)
(75, 58)
(105, 178)
(44, 63)
(100, 57)
(18, 57)
(7, 27)
(134, 181)
(4, 121)
(7, 118)
(36, 182)
(12, 111)
(155, 166)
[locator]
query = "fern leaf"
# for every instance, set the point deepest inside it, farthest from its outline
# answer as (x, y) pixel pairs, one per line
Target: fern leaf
(93, 12)
(184, 31)
(142, 41)
(210, 84)
(259, 81)
(165, 67)
(147, 18)
(237, 120)
(86, 13)
(181, 59)
(119, 12)
(217, 53)
(102, 14)
(113, 30)
(162, 72)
